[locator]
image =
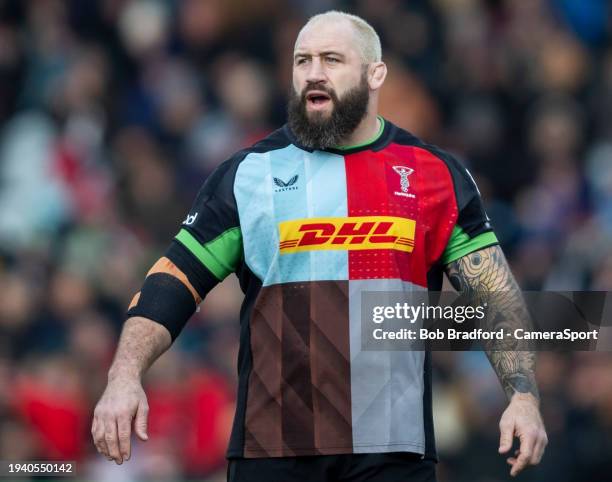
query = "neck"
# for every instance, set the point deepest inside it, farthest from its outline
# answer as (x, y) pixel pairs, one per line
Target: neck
(366, 130)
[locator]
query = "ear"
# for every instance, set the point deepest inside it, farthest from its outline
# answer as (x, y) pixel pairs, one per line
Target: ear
(377, 72)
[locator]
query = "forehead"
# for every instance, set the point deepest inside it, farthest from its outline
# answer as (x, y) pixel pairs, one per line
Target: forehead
(325, 35)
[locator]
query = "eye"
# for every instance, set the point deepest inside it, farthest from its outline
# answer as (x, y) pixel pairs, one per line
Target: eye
(301, 60)
(332, 60)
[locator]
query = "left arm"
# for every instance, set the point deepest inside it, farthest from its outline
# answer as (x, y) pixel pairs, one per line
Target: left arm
(478, 274)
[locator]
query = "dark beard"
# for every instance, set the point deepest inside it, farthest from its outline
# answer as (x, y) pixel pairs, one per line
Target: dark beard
(320, 131)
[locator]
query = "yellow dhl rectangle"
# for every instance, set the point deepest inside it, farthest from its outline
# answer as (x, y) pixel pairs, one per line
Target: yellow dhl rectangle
(347, 233)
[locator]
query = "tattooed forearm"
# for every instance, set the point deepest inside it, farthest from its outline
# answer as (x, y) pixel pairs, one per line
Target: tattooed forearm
(484, 276)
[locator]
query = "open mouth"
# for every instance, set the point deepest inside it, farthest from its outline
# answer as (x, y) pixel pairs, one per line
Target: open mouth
(318, 98)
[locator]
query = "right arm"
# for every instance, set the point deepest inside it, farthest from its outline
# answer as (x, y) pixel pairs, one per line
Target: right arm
(206, 250)
(157, 315)
(124, 402)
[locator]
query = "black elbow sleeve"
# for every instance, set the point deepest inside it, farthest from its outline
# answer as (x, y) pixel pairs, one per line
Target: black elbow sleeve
(164, 299)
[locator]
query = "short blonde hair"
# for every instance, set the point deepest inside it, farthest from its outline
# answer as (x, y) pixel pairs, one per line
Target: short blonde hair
(369, 42)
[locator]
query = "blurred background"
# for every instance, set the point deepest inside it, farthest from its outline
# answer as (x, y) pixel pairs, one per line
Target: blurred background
(113, 112)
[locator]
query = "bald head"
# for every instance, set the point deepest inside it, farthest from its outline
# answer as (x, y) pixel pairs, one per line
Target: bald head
(337, 73)
(349, 28)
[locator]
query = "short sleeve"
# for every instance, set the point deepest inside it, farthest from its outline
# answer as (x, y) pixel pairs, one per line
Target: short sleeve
(473, 229)
(209, 241)
(207, 248)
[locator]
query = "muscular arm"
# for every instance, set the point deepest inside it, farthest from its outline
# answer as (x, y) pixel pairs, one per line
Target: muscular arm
(485, 277)
(124, 402)
(142, 341)
(207, 248)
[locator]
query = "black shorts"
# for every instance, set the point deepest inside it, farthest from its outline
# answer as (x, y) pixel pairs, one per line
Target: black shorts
(387, 467)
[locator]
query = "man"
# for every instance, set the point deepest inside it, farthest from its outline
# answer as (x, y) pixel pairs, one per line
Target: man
(336, 202)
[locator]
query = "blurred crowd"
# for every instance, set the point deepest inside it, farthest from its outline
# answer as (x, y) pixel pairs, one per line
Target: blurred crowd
(113, 112)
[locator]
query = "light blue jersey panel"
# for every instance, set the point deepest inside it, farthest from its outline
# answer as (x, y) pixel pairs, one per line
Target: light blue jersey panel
(268, 192)
(386, 385)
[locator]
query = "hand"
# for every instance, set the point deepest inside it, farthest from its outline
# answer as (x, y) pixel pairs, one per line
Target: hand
(522, 419)
(123, 402)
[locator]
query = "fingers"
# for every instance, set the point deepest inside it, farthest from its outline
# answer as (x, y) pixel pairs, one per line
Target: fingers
(124, 430)
(506, 429)
(105, 436)
(522, 418)
(526, 451)
(512, 460)
(97, 432)
(540, 446)
(121, 404)
(111, 438)
(141, 422)
(530, 453)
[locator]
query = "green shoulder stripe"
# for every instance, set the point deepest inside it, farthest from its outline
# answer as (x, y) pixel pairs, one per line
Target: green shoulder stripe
(220, 256)
(461, 244)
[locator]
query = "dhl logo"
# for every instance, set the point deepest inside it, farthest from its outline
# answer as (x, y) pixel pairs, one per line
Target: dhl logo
(349, 233)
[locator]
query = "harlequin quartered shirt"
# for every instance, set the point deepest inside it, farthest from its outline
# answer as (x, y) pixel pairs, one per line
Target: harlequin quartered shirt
(306, 231)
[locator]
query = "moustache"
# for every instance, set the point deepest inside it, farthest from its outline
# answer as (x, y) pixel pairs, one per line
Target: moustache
(320, 88)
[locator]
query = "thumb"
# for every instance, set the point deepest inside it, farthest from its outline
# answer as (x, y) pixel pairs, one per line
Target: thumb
(505, 438)
(140, 423)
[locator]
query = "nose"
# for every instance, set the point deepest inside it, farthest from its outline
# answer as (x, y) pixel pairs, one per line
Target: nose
(316, 73)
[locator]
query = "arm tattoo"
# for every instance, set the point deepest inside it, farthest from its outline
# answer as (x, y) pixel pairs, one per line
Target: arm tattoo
(484, 276)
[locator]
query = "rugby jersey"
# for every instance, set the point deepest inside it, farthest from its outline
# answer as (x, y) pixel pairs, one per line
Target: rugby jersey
(306, 231)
